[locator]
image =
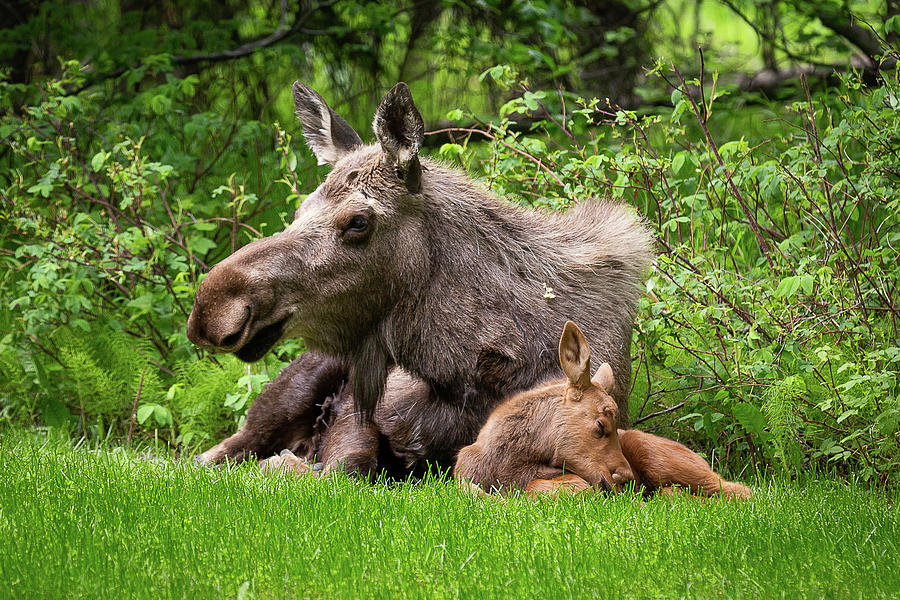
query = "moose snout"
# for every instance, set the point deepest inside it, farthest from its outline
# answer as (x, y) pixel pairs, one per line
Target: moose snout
(622, 476)
(222, 326)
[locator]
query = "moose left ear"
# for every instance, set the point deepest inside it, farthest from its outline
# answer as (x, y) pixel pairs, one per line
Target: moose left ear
(400, 130)
(575, 356)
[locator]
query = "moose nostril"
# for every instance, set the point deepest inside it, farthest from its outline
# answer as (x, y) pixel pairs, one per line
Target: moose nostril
(231, 340)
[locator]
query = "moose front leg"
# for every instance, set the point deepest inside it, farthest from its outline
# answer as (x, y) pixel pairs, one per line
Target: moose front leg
(285, 413)
(565, 484)
(352, 443)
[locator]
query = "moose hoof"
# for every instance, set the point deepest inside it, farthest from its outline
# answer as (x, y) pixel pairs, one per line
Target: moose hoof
(285, 463)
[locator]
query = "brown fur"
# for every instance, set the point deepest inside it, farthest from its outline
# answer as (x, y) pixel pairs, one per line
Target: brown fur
(427, 291)
(532, 438)
(564, 427)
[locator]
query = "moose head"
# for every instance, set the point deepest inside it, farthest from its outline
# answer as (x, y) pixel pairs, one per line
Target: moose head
(587, 416)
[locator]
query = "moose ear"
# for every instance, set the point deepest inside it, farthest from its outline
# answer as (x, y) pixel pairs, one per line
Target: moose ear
(327, 134)
(603, 378)
(575, 356)
(400, 129)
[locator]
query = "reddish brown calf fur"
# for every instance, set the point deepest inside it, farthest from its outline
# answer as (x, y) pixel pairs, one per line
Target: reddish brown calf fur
(561, 437)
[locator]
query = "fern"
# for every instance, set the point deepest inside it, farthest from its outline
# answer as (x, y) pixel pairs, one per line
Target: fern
(780, 405)
(198, 399)
(106, 372)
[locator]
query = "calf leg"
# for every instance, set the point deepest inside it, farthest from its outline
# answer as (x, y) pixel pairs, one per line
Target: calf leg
(352, 442)
(286, 462)
(661, 463)
(566, 484)
(284, 415)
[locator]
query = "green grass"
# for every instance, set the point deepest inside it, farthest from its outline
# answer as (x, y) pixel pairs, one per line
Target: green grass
(104, 524)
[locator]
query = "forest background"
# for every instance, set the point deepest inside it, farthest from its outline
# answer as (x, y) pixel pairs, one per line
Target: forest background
(144, 142)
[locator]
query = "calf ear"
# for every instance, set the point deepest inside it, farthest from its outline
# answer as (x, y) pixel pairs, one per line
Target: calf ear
(327, 134)
(603, 378)
(575, 356)
(400, 129)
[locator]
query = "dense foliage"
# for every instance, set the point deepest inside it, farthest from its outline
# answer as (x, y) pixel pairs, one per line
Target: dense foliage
(770, 321)
(767, 336)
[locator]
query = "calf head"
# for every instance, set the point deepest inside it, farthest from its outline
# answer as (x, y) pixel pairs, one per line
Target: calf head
(353, 249)
(588, 414)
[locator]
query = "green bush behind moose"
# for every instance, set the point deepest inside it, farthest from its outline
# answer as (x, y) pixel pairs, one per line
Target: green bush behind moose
(767, 336)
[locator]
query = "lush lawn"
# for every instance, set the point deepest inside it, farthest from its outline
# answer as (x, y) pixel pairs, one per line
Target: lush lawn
(104, 524)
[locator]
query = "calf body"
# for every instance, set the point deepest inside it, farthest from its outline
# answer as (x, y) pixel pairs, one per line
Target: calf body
(562, 437)
(426, 292)
(564, 427)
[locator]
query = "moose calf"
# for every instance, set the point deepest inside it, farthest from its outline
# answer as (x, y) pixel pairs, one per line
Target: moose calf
(563, 437)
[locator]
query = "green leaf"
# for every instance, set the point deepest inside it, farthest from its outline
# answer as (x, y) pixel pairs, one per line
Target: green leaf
(678, 162)
(81, 324)
(455, 115)
(144, 412)
(450, 150)
(846, 414)
(201, 245)
(750, 418)
(98, 160)
(143, 303)
(163, 415)
(806, 282)
(43, 188)
(788, 287)
(892, 25)
(54, 413)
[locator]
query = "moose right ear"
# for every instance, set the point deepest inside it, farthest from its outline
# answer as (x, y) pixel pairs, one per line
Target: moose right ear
(604, 378)
(575, 356)
(400, 130)
(327, 134)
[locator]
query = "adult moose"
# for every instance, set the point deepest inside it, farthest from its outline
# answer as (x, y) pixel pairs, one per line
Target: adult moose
(422, 296)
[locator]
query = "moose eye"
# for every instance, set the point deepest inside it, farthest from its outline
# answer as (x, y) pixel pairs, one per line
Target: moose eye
(601, 430)
(358, 223)
(357, 229)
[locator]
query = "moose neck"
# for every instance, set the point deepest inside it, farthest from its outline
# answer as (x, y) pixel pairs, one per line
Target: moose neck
(478, 315)
(474, 323)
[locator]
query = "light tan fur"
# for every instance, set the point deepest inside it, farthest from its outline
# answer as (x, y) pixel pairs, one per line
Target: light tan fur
(561, 438)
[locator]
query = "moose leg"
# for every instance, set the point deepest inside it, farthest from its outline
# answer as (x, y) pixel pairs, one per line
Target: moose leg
(566, 484)
(661, 463)
(352, 443)
(285, 462)
(284, 415)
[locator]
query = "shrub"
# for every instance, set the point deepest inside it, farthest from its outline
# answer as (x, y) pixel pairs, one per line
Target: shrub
(769, 325)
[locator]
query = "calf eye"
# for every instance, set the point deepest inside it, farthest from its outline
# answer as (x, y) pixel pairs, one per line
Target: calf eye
(600, 429)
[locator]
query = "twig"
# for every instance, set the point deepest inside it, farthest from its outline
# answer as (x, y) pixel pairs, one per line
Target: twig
(490, 136)
(659, 412)
(754, 226)
(137, 398)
